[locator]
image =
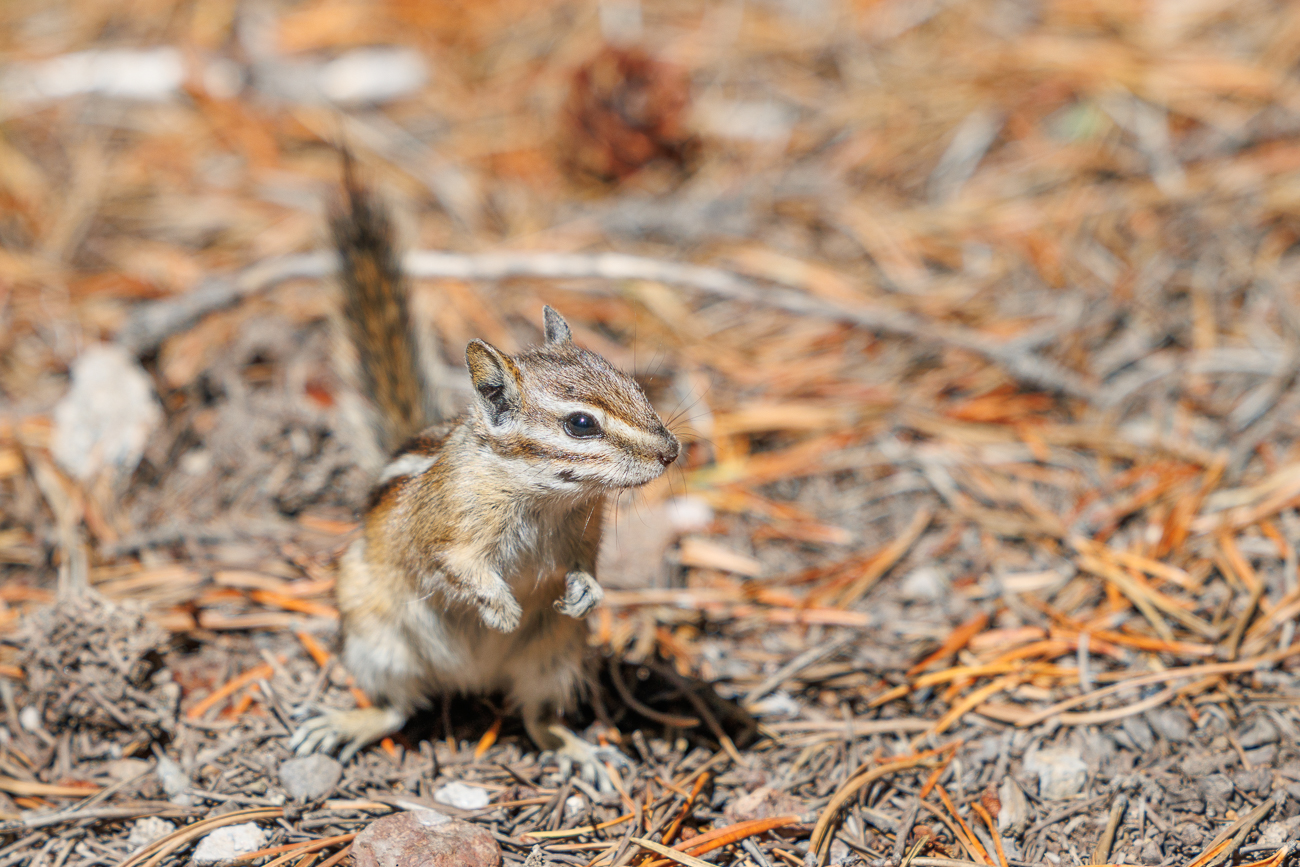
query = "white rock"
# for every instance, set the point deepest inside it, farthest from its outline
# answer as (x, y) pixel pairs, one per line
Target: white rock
(227, 843)
(778, 703)
(150, 74)
(688, 514)
(1061, 772)
(145, 831)
(1014, 814)
(747, 120)
(573, 806)
(174, 781)
(462, 796)
(107, 415)
(30, 719)
(925, 584)
(372, 75)
(309, 778)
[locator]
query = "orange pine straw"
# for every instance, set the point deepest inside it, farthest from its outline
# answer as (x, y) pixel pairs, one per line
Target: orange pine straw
(337, 857)
(290, 603)
(238, 709)
(489, 738)
(993, 831)
(971, 840)
(1270, 530)
(969, 703)
(229, 688)
(933, 780)
(1180, 518)
(296, 848)
(1239, 564)
(671, 833)
(1048, 649)
(1211, 853)
(720, 837)
(864, 776)
(313, 647)
(1158, 645)
(1272, 860)
(959, 638)
(12, 672)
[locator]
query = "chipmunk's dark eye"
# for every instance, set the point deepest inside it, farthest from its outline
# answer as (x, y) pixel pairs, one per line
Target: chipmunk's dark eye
(581, 426)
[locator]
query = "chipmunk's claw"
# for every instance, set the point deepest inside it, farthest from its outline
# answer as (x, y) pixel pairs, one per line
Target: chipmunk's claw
(581, 595)
(351, 729)
(592, 762)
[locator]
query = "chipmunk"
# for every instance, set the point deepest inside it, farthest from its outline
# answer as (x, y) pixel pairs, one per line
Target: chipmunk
(477, 558)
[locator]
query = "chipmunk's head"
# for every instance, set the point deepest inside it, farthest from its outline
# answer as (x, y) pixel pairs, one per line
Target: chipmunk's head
(571, 419)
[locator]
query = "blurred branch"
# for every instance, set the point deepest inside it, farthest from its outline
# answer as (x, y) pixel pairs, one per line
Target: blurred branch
(153, 323)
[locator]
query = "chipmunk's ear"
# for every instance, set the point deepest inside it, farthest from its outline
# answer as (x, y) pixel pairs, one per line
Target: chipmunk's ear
(557, 330)
(495, 378)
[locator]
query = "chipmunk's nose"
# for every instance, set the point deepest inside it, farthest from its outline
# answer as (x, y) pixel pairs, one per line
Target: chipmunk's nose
(670, 453)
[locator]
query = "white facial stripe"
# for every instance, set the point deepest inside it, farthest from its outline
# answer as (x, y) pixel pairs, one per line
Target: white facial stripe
(406, 465)
(616, 426)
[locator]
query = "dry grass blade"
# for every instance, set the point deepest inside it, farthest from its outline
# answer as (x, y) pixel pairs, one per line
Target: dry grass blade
(820, 841)
(153, 854)
(884, 561)
(671, 854)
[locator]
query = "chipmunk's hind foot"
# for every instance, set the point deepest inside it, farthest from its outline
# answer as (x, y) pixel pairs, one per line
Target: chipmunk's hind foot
(572, 753)
(351, 729)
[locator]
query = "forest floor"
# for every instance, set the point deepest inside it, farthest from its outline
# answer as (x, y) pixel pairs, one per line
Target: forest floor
(980, 320)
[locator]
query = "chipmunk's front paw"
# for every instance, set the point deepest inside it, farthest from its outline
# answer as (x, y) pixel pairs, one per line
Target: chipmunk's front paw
(499, 608)
(581, 595)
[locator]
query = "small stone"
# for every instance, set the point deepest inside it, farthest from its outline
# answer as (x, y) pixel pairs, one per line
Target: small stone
(173, 780)
(1216, 789)
(424, 838)
(778, 704)
(124, 770)
(1139, 733)
(1262, 757)
(145, 831)
(1258, 780)
(462, 796)
(1198, 764)
(1258, 732)
(310, 778)
(842, 855)
(30, 719)
(1060, 771)
(1151, 851)
(107, 415)
(1170, 723)
(1014, 814)
(573, 806)
(926, 584)
(762, 803)
(225, 844)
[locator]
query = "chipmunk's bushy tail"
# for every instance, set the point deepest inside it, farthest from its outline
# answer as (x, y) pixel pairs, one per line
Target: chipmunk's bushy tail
(377, 320)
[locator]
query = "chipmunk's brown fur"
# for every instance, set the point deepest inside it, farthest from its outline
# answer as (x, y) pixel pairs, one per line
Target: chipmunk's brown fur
(478, 553)
(377, 319)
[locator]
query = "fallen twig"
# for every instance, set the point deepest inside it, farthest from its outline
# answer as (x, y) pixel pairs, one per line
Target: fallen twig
(151, 324)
